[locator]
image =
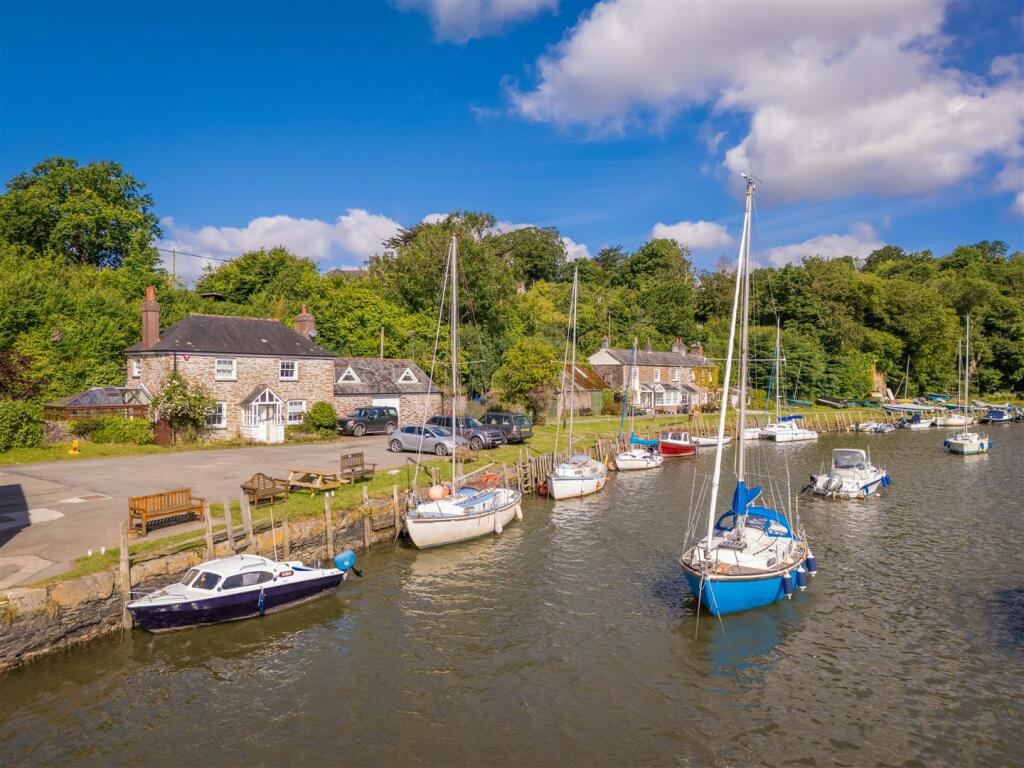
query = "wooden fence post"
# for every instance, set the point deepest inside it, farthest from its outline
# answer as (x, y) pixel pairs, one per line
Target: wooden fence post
(126, 578)
(398, 509)
(435, 477)
(366, 532)
(229, 524)
(329, 518)
(210, 553)
(250, 542)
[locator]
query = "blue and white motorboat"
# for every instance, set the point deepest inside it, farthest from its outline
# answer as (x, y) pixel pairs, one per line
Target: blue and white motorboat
(752, 555)
(851, 476)
(916, 422)
(997, 415)
(236, 587)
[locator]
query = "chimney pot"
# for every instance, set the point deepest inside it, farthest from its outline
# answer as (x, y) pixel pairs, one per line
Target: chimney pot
(305, 322)
(150, 319)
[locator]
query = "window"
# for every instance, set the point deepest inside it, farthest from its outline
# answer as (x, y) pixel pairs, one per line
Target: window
(289, 370)
(691, 375)
(206, 580)
(250, 579)
(657, 374)
(189, 576)
(296, 411)
(224, 370)
(218, 417)
(348, 377)
(675, 374)
(636, 378)
(136, 367)
(407, 377)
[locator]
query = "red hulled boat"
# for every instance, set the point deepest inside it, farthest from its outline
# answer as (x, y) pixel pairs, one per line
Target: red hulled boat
(674, 442)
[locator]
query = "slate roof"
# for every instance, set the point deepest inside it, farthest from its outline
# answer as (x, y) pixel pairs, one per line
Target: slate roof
(379, 376)
(222, 334)
(661, 359)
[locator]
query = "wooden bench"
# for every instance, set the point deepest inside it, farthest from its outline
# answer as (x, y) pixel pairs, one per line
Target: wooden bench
(354, 468)
(313, 479)
(261, 486)
(164, 508)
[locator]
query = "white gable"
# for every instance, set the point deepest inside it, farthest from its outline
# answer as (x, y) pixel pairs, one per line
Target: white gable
(349, 377)
(603, 357)
(407, 377)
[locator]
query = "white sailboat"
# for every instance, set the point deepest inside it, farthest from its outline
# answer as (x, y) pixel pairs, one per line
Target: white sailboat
(636, 456)
(960, 417)
(968, 442)
(784, 429)
(460, 511)
(751, 555)
(580, 475)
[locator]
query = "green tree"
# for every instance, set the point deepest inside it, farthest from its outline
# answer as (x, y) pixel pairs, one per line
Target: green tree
(528, 373)
(531, 253)
(275, 272)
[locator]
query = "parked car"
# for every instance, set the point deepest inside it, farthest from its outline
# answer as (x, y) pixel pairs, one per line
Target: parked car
(516, 427)
(379, 420)
(437, 440)
(476, 433)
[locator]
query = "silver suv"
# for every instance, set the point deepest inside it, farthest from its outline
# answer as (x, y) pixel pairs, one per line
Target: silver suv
(478, 435)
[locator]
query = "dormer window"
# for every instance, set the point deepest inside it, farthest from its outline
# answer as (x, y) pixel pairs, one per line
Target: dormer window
(289, 370)
(348, 377)
(407, 377)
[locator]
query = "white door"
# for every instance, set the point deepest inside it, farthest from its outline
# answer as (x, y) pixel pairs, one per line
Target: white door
(266, 431)
(388, 402)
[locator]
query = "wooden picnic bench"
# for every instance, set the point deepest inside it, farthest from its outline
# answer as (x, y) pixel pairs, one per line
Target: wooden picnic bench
(313, 479)
(354, 468)
(166, 508)
(261, 486)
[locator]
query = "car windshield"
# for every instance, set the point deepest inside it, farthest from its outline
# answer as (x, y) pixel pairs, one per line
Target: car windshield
(469, 421)
(438, 432)
(522, 421)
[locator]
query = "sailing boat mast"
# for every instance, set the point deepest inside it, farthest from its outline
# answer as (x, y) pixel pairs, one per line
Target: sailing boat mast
(745, 335)
(967, 363)
(454, 325)
(572, 369)
(716, 475)
(778, 368)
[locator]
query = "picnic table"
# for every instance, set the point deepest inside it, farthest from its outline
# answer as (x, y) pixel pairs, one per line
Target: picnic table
(314, 479)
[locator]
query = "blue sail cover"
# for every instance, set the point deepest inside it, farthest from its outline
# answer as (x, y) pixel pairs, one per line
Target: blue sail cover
(791, 418)
(772, 522)
(742, 497)
(640, 440)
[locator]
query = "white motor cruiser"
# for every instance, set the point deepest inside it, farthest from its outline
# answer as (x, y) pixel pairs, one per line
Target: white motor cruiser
(638, 458)
(786, 430)
(852, 476)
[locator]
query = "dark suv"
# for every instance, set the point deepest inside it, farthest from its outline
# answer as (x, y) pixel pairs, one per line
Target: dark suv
(516, 427)
(368, 421)
(472, 430)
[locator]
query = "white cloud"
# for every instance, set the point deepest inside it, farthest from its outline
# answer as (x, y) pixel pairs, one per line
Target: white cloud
(459, 21)
(843, 97)
(573, 249)
(352, 237)
(1017, 206)
(859, 242)
(697, 235)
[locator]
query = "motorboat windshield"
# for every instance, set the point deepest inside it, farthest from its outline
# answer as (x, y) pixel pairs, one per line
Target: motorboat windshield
(849, 458)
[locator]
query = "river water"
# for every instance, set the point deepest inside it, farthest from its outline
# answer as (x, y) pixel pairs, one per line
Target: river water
(572, 639)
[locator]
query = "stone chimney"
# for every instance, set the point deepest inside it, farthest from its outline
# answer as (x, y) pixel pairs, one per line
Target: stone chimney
(648, 347)
(678, 346)
(305, 323)
(150, 319)
(605, 342)
(697, 349)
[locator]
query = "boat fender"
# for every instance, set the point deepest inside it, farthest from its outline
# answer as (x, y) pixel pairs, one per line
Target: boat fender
(497, 524)
(787, 585)
(801, 578)
(438, 492)
(262, 602)
(542, 489)
(346, 561)
(519, 511)
(812, 564)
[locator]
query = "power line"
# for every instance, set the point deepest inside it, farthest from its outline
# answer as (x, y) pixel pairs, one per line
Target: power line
(175, 252)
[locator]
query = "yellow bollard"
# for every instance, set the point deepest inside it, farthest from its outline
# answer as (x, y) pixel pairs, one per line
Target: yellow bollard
(73, 450)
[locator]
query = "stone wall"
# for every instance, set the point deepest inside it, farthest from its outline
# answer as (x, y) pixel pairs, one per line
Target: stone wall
(411, 408)
(315, 381)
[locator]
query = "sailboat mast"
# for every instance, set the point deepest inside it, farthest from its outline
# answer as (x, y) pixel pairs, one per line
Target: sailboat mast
(778, 368)
(572, 369)
(967, 363)
(454, 323)
(745, 335)
(716, 475)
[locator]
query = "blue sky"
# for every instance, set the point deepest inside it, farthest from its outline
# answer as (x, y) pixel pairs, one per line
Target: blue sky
(255, 123)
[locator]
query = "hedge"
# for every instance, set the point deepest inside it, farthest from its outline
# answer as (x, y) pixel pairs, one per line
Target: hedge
(20, 425)
(114, 429)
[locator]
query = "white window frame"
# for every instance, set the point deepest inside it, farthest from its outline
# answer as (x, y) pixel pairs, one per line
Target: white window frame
(301, 412)
(657, 374)
(675, 374)
(295, 370)
(349, 377)
(636, 378)
(136, 367)
(218, 376)
(407, 377)
(220, 413)
(693, 377)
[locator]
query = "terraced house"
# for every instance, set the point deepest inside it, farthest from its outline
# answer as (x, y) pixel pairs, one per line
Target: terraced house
(669, 381)
(265, 375)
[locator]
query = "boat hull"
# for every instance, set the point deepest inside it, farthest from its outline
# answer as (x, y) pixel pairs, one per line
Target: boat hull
(722, 596)
(233, 607)
(427, 532)
(574, 487)
(711, 442)
(968, 447)
(797, 436)
(677, 449)
(626, 462)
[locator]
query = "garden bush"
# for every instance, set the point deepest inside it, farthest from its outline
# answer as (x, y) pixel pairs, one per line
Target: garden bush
(20, 425)
(322, 417)
(113, 429)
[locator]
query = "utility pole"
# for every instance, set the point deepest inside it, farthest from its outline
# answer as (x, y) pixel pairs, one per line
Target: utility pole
(382, 342)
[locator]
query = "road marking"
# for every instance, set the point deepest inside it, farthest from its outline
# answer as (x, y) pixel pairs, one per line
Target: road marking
(84, 498)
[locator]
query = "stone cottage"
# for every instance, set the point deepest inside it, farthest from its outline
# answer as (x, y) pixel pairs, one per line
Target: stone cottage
(369, 381)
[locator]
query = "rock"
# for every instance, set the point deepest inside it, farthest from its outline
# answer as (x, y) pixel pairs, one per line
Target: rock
(26, 601)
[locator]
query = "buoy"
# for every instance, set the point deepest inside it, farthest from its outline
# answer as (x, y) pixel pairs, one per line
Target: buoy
(437, 492)
(787, 585)
(519, 512)
(73, 450)
(801, 578)
(812, 565)
(542, 489)
(346, 561)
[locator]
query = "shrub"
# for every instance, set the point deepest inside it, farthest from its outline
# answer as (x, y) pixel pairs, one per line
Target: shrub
(20, 425)
(86, 427)
(117, 429)
(611, 403)
(184, 405)
(322, 417)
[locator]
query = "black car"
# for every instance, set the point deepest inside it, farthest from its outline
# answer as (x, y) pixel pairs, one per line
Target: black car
(368, 421)
(478, 435)
(516, 427)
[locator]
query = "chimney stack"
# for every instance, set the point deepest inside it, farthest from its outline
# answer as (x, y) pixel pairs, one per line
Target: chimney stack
(697, 349)
(605, 342)
(305, 323)
(648, 347)
(150, 319)
(678, 346)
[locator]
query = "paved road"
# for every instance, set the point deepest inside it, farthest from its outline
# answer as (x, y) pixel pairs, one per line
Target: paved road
(54, 512)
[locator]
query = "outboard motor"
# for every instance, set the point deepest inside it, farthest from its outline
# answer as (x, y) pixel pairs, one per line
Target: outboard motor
(346, 561)
(835, 482)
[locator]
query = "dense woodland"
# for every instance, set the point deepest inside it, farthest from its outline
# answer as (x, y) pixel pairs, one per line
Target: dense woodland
(76, 252)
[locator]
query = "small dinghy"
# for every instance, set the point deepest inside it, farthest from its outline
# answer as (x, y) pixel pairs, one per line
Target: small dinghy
(711, 442)
(852, 476)
(866, 426)
(236, 587)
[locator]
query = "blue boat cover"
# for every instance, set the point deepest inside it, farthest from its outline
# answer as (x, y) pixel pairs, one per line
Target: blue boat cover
(640, 440)
(743, 496)
(772, 522)
(791, 418)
